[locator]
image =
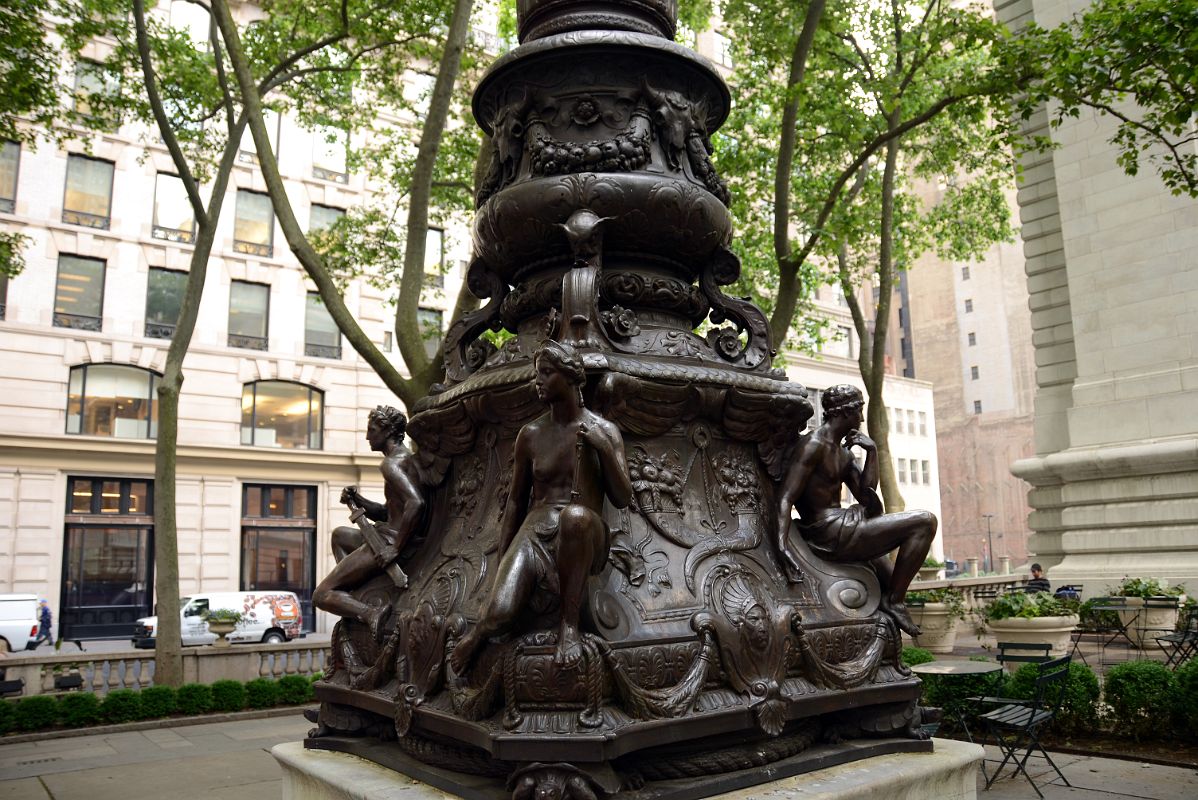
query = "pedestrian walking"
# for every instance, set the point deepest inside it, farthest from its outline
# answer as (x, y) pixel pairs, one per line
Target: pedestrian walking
(46, 619)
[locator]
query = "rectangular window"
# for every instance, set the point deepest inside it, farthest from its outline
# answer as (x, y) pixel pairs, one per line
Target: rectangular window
(968, 306)
(249, 314)
(964, 273)
(977, 406)
(388, 341)
(88, 196)
(322, 217)
(434, 258)
(91, 81)
(902, 470)
(164, 300)
(174, 219)
(322, 339)
(973, 373)
(108, 557)
(973, 339)
(910, 422)
(278, 542)
(10, 160)
(247, 153)
(898, 419)
(3, 295)
(723, 49)
(329, 149)
(79, 294)
(254, 225)
(923, 423)
(429, 320)
(926, 469)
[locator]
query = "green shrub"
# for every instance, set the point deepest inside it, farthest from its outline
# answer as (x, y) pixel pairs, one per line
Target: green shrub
(294, 689)
(1029, 606)
(952, 598)
(1079, 703)
(228, 695)
(35, 713)
(122, 705)
(158, 701)
(1139, 693)
(193, 698)
(1185, 699)
(1147, 587)
(916, 655)
(261, 693)
(78, 709)
(6, 715)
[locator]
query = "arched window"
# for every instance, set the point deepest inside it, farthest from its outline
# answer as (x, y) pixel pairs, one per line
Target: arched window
(282, 414)
(113, 400)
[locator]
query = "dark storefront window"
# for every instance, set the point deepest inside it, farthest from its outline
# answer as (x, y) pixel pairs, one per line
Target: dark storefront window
(278, 541)
(108, 557)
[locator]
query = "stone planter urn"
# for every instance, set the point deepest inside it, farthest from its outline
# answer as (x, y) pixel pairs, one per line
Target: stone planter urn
(1145, 623)
(1054, 631)
(939, 627)
(221, 628)
(929, 573)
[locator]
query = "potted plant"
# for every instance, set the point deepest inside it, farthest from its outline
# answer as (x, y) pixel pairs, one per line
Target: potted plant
(936, 612)
(222, 622)
(930, 570)
(1143, 622)
(1033, 618)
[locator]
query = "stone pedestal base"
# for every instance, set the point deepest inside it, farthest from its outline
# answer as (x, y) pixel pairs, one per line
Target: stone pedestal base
(947, 773)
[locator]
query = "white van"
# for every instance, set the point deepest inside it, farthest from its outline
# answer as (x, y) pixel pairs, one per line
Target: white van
(267, 617)
(18, 621)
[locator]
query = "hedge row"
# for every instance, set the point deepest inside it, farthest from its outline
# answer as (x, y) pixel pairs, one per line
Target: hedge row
(80, 709)
(1140, 699)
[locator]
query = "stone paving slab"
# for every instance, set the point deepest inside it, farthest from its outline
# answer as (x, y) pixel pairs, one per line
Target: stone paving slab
(23, 789)
(192, 778)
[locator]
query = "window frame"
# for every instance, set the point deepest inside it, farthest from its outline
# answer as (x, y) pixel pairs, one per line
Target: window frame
(86, 219)
(161, 231)
(972, 339)
(974, 372)
(254, 248)
(431, 344)
(162, 330)
(244, 341)
(968, 305)
(340, 214)
(324, 173)
(253, 426)
(436, 278)
(151, 402)
(81, 322)
(977, 406)
(8, 205)
(314, 349)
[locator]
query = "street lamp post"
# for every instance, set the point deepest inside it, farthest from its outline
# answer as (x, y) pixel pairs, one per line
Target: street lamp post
(989, 544)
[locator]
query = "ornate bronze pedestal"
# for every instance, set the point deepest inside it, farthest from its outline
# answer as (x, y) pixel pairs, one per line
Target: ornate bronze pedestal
(602, 225)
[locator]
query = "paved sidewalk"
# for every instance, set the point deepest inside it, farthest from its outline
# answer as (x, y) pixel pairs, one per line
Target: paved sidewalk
(218, 761)
(1091, 779)
(232, 761)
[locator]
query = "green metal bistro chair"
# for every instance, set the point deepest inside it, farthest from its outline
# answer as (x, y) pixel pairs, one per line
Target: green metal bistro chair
(1181, 644)
(1015, 726)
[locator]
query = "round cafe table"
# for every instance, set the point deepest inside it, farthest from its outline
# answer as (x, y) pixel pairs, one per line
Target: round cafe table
(952, 670)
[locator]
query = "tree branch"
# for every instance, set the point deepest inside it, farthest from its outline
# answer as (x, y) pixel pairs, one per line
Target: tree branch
(307, 255)
(308, 50)
(159, 112)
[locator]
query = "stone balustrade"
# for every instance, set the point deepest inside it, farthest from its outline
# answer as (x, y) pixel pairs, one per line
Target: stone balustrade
(134, 669)
(976, 590)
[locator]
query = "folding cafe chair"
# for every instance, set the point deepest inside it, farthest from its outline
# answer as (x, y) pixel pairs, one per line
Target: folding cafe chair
(1015, 726)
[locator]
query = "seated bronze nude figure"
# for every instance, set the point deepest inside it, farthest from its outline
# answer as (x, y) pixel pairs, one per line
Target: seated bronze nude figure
(822, 463)
(552, 536)
(397, 516)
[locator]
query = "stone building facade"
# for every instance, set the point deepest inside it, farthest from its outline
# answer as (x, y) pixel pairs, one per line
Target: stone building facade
(1113, 286)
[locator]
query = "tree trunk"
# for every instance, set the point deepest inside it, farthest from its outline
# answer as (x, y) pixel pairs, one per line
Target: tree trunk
(789, 285)
(877, 416)
(408, 338)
